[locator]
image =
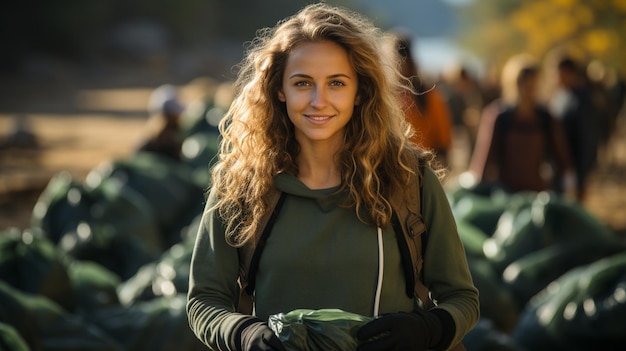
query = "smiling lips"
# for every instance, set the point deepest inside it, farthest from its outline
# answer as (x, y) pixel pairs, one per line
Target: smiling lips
(318, 118)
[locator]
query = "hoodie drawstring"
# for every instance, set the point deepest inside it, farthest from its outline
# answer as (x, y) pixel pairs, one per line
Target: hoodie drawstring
(381, 266)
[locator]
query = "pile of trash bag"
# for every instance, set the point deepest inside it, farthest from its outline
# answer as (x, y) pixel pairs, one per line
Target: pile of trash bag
(519, 247)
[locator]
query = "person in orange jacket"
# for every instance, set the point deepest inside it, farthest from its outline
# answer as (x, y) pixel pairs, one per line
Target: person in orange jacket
(425, 108)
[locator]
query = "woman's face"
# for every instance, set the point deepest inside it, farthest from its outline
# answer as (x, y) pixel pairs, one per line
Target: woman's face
(320, 91)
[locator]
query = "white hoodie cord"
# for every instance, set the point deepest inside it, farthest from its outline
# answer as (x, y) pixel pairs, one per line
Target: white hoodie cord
(381, 266)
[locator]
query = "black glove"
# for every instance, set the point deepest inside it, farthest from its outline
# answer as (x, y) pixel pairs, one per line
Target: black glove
(256, 335)
(416, 331)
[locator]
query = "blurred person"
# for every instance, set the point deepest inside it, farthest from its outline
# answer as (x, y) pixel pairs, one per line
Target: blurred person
(608, 100)
(519, 144)
(20, 136)
(465, 100)
(573, 105)
(315, 122)
(163, 131)
(490, 84)
(425, 107)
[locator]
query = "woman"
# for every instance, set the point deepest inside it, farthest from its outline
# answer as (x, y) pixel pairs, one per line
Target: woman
(316, 118)
(520, 146)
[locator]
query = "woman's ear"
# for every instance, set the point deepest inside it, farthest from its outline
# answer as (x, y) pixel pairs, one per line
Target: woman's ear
(357, 100)
(281, 96)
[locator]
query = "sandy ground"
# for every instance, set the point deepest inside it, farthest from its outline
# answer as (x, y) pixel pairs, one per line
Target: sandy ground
(89, 126)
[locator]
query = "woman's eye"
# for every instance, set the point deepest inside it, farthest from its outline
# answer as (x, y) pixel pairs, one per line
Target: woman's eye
(336, 83)
(302, 83)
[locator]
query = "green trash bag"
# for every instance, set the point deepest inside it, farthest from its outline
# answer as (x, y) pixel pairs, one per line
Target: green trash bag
(472, 237)
(485, 336)
(94, 286)
(199, 151)
(317, 330)
(496, 302)
(533, 272)
(111, 224)
(44, 325)
(31, 263)
(157, 325)
(61, 206)
(11, 340)
(535, 221)
(168, 187)
(584, 309)
(479, 211)
(165, 278)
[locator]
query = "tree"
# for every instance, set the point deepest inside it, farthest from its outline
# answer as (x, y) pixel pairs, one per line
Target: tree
(587, 29)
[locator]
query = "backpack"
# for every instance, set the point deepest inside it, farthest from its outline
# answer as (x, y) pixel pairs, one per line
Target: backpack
(408, 225)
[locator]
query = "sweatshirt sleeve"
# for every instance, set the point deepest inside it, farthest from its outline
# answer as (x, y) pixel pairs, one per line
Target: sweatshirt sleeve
(446, 271)
(213, 290)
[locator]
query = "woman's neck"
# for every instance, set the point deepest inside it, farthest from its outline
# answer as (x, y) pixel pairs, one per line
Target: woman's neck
(317, 166)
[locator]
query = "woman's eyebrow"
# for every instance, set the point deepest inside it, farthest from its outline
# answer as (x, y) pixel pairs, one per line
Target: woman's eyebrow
(337, 75)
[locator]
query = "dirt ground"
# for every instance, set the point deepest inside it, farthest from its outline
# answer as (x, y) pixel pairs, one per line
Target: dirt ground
(79, 127)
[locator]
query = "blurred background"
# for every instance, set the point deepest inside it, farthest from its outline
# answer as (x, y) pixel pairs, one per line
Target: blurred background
(84, 84)
(80, 73)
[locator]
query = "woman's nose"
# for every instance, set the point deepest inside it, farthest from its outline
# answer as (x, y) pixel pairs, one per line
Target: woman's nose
(319, 97)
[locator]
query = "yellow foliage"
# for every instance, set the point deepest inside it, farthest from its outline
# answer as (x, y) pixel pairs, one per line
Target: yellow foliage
(619, 6)
(599, 42)
(596, 28)
(565, 3)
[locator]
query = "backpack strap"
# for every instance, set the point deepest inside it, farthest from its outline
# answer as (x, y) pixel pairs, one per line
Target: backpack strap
(249, 256)
(408, 222)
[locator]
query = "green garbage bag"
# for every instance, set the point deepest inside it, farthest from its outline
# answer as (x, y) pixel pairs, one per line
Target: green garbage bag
(472, 237)
(94, 286)
(157, 325)
(44, 325)
(317, 330)
(535, 221)
(486, 337)
(167, 277)
(11, 340)
(487, 190)
(199, 152)
(479, 211)
(31, 263)
(584, 309)
(61, 206)
(121, 254)
(496, 302)
(533, 272)
(168, 187)
(110, 224)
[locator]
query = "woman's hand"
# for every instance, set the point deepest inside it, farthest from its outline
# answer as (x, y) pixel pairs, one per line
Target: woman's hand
(256, 335)
(415, 331)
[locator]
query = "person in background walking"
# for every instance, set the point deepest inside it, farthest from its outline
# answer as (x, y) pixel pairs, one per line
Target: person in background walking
(425, 107)
(520, 146)
(464, 97)
(572, 104)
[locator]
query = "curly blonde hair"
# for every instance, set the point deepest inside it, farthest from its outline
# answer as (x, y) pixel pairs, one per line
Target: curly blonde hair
(259, 140)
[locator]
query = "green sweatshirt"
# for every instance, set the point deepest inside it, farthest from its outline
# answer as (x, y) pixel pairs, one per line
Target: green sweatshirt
(319, 255)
